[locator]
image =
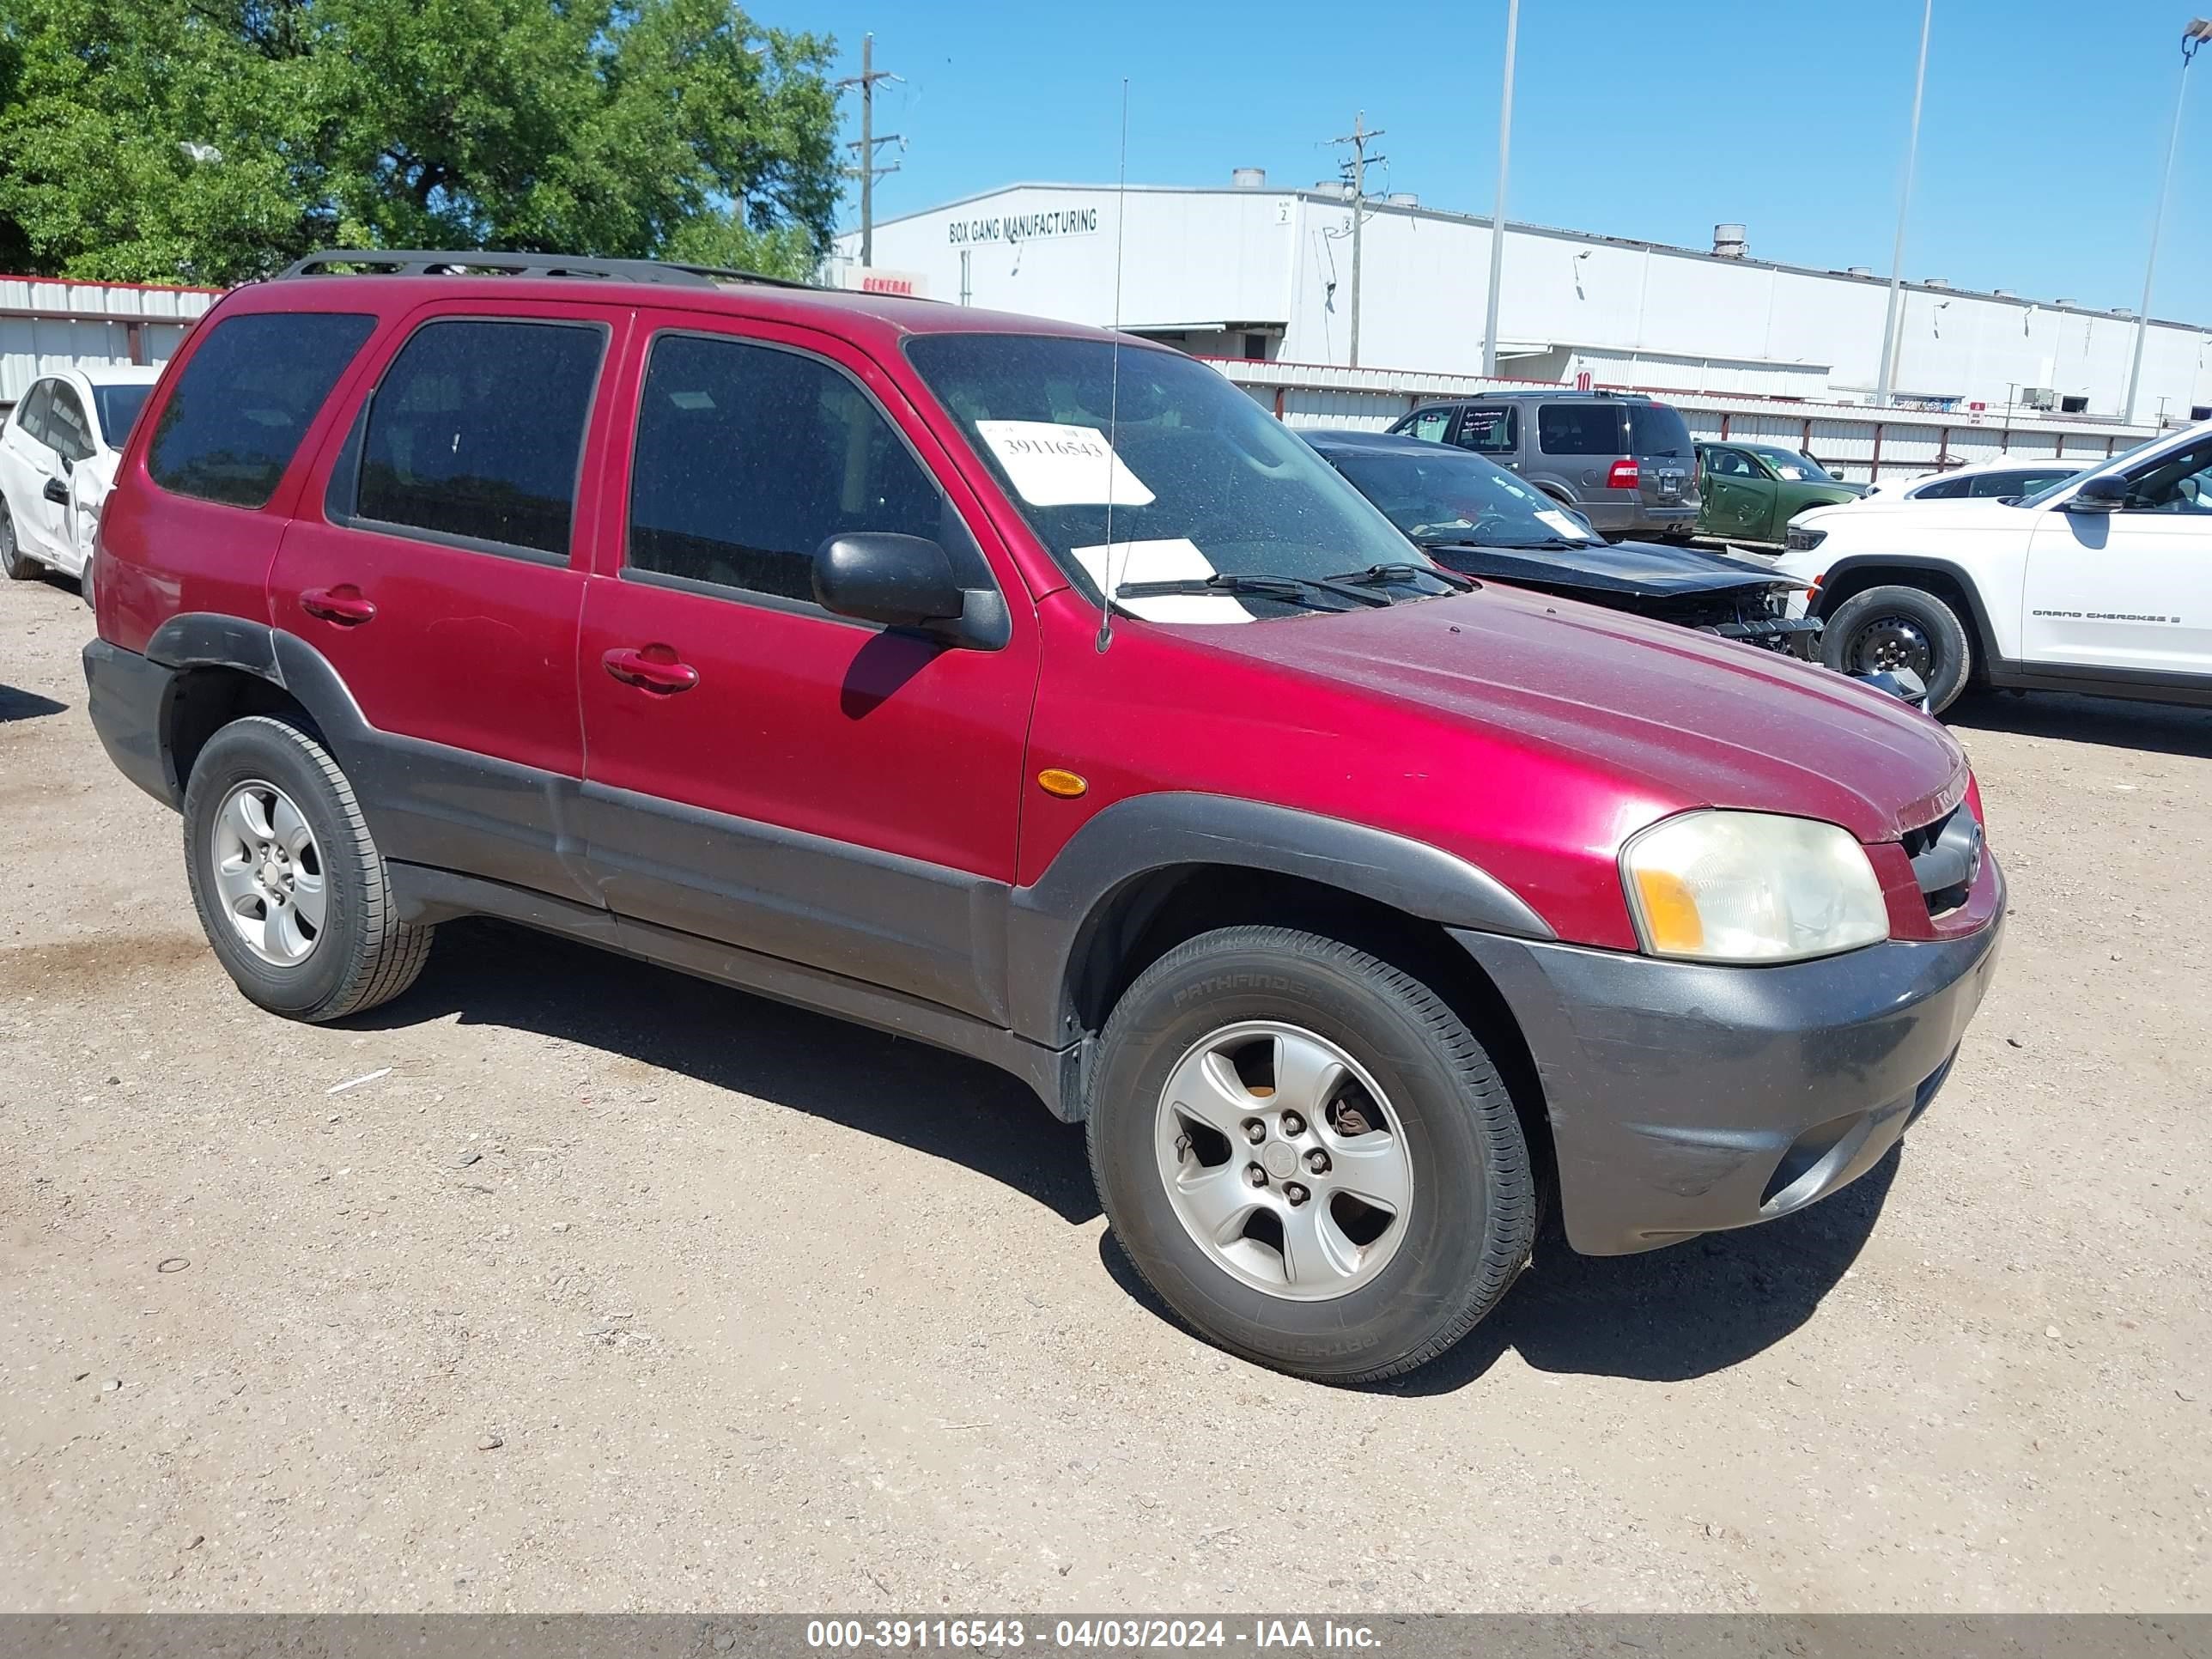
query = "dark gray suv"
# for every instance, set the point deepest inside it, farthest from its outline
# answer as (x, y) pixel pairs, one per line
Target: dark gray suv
(1626, 462)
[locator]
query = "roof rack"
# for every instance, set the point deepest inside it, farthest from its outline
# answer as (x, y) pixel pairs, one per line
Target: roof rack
(443, 262)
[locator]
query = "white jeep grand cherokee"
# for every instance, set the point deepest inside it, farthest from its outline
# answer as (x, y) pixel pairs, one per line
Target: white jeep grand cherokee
(2100, 583)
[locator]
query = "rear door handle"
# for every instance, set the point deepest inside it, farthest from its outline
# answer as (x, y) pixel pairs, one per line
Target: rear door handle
(342, 604)
(652, 668)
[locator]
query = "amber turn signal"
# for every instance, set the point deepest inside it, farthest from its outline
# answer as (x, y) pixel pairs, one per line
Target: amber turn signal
(1067, 785)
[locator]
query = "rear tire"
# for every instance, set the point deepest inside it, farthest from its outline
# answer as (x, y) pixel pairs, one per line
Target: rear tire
(300, 912)
(15, 565)
(1389, 1281)
(1901, 627)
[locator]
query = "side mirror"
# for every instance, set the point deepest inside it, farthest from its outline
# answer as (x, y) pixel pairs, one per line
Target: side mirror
(901, 582)
(56, 492)
(2106, 493)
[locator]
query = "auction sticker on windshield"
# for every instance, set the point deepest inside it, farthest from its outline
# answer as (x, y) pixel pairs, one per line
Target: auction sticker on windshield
(1056, 465)
(1560, 522)
(1174, 558)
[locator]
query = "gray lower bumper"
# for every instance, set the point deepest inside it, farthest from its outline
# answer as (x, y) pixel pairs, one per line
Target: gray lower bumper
(1686, 1099)
(125, 693)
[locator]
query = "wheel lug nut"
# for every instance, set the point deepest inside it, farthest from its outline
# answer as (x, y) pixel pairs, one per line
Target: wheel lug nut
(1255, 1131)
(1317, 1161)
(1295, 1192)
(1293, 1124)
(1255, 1174)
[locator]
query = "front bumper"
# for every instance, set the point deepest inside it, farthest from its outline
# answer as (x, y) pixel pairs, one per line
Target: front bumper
(1686, 1099)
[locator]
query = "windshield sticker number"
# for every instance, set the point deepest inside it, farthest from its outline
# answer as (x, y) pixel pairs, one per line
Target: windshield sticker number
(1056, 465)
(1552, 519)
(1175, 558)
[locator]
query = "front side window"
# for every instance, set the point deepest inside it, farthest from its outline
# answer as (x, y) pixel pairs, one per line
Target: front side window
(1729, 464)
(750, 457)
(67, 430)
(1490, 431)
(246, 398)
(1202, 481)
(2181, 482)
(477, 429)
(31, 413)
(1592, 429)
(1430, 425)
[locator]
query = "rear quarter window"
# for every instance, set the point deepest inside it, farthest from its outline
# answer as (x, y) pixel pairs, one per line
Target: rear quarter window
(246, 398)
(1582, 429)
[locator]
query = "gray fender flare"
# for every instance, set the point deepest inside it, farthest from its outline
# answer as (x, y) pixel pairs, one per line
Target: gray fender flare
(1051, 921)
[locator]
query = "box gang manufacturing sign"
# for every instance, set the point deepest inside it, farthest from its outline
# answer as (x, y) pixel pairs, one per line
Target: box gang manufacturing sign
(1023, 227)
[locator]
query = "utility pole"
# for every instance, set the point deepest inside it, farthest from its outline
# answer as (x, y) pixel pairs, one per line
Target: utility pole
(2194, 36)
(1359, 137)
(865, 168)
(1498, 207)
(1888, 371)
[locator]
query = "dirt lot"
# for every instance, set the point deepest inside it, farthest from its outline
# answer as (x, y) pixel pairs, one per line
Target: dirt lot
(608, 1289)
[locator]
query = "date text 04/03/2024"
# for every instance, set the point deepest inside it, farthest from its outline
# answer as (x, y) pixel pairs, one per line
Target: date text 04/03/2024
(1109, 1634)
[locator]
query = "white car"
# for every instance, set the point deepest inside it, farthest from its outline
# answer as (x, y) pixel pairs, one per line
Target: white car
(2008, 475)
(2100, 582)
(57, 456)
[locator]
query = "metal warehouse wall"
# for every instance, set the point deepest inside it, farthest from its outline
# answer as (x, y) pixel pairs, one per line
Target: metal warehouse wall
(47, 324)
(1280, 261)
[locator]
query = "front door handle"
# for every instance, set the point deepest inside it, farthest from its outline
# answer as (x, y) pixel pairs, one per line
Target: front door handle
(342, 604)
(652, 668)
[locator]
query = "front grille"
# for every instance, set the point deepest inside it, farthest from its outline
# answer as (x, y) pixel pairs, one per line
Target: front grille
(1946, 856)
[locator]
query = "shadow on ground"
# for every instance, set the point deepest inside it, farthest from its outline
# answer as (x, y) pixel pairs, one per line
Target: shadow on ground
(2159, 728)
(17, 704)
(1668, 1315)
(960, 1109)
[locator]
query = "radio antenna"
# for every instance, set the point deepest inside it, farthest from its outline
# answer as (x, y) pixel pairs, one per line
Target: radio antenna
(1114, 382)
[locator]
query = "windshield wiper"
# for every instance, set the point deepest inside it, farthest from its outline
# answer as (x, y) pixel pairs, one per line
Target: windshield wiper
(1300, 589)
(1376, 575)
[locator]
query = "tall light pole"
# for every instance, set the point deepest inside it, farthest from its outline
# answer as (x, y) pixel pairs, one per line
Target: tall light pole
(1888, 372)
(2195, 36)
(1498, 207)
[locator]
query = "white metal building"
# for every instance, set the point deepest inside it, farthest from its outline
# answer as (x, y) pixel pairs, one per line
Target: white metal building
(1251, 271)
(47, 324)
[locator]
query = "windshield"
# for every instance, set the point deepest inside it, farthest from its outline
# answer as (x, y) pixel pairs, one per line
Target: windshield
(1793, 468)
(1203, 481)
(119, 410)
(1451, 496)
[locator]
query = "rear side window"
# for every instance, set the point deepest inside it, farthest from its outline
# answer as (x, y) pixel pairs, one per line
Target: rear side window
(245, 399)
(1490, 431)
(477, 428)
(1947, 489)
(31, 413)
(1582, 429)
(748, 458)
(1658, 429)
(67, 430)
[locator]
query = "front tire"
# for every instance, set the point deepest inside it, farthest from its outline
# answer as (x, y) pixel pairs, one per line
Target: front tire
(1887, 628)
(15, 565)
(1395, 1202)
(290, 889)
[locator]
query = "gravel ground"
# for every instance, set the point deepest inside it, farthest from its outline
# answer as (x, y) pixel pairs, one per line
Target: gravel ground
(596, 1287)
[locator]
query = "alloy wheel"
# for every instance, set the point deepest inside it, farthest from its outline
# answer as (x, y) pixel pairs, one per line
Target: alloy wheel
(1284, 1161)
(269, 871)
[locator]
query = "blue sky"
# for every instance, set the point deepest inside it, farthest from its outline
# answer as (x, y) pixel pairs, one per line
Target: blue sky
(2045, 124)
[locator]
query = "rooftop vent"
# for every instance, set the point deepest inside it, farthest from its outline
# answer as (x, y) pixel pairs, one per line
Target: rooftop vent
(1937, 281)
(1249, 178)
(2003, 293)
(2122, 311)
(2064, 302)
(1333, 187)
(1860, 270)
(1728, 242)
(1404, 198)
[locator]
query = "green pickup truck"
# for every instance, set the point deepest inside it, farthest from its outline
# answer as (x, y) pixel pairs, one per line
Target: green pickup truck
(1752, 492)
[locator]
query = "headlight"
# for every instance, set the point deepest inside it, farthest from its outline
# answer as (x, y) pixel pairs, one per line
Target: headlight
(1748, 887)
(1802, 541)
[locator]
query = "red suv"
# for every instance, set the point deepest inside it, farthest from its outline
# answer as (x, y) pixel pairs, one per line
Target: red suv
(765, 632)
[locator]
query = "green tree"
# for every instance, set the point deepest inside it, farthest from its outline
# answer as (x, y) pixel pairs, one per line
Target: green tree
(211, 141)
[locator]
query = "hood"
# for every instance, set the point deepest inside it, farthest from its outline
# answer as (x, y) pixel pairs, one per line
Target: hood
(1973, 512)
(1685, 718)
(1633, 570)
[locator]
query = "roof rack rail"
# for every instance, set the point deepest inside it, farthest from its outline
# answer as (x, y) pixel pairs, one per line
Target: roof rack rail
(439, 262)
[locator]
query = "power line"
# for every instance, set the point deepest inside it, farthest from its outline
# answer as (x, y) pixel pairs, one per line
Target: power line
(865, 168)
